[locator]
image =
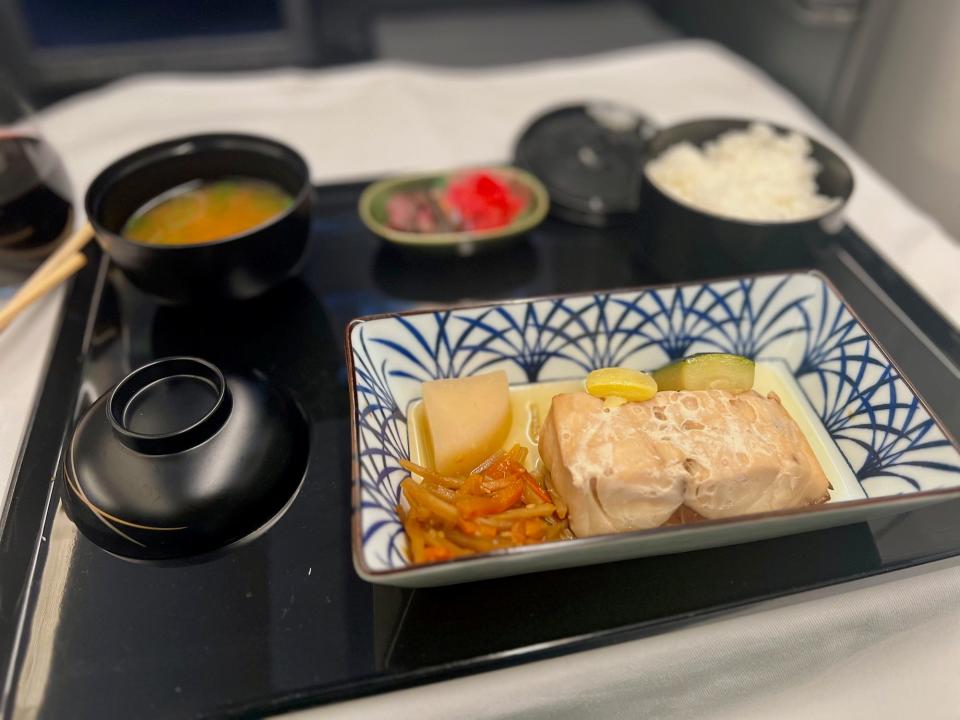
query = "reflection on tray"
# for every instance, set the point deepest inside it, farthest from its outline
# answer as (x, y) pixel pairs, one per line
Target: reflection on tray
(284, 333)
(438, 622)
(437, 276)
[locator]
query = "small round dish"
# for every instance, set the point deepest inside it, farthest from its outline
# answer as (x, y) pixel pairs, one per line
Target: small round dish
(235, 267)
(179, 460)
(373, 203)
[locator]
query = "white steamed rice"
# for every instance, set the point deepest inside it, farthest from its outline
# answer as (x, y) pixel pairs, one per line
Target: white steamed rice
(753, 174)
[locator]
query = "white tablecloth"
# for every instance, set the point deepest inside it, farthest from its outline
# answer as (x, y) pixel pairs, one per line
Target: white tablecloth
(886, 647)
(876, 650)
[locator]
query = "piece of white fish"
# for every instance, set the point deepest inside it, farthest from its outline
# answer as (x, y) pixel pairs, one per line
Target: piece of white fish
(717, 453)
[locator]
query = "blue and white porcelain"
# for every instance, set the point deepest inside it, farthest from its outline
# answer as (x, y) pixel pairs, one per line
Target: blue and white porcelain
(896, 455)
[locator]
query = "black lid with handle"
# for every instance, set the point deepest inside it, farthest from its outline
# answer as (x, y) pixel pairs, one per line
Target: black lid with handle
(590, 157)
(180, 459)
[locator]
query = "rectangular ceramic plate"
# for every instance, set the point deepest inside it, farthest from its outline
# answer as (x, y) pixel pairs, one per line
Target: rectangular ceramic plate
(889, 454)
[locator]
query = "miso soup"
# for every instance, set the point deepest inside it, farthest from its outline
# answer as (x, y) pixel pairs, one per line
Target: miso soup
(203, 211)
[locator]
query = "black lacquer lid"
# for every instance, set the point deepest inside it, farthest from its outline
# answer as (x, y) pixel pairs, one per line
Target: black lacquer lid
(590, 157)
(180, 459)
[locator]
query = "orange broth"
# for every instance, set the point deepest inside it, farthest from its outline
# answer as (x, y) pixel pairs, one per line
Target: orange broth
(201, 212)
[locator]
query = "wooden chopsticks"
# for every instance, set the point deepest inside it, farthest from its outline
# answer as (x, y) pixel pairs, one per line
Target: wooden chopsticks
(63, 263)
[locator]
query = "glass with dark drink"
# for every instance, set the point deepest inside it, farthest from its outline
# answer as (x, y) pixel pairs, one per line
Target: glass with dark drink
(36, 212)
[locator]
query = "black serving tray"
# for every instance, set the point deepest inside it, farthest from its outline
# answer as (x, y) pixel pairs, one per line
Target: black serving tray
(284, 621)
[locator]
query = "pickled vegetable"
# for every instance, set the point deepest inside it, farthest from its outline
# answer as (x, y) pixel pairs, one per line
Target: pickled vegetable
(616, 382)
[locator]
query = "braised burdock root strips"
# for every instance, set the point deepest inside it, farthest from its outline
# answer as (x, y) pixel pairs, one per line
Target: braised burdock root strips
(633, 451)
(498, 505)
(718, 453)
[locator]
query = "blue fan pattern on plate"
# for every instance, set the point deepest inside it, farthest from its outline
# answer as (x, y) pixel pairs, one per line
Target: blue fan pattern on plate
(883, 431)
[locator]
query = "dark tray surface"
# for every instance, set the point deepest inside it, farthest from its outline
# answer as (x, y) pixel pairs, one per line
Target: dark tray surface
(284, 621)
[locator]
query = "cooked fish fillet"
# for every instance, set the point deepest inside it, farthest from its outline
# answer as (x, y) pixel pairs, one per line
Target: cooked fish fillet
(718, 453)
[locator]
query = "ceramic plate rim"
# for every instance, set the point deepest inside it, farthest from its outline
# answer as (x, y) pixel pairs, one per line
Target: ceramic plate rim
(506, 555)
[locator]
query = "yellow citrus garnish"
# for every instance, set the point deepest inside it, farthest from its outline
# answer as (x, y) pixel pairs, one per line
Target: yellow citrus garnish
(631, 385)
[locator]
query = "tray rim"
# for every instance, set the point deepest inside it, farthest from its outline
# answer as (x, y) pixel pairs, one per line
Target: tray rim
(899, 290)
(412, 575)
